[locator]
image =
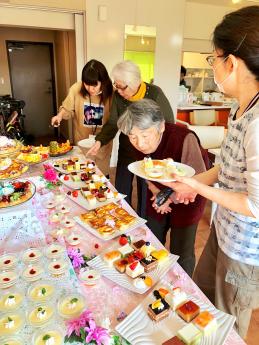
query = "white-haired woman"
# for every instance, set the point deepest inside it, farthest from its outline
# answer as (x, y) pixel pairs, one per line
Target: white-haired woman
(148, 132)
(129, 88)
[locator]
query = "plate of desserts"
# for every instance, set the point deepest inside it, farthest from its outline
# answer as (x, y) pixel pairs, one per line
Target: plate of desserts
(59, 149)
(168, 316)
(160, 170)
(94, 194)
(77, 180)
(33, 154)
(135, 266)
(8, 146)
(73, 164)
(16, 193)
(11, 169)
(109, 221)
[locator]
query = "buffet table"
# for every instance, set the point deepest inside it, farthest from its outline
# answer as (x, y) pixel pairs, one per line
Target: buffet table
(107, 300)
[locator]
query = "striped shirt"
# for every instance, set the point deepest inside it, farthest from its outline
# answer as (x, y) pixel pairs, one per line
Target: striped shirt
(238, 235)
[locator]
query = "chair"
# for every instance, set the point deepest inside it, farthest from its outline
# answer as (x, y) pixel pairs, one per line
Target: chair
(204, 117)
(211, 137)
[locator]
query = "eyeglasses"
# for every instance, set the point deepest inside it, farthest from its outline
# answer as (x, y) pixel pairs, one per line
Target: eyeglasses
(118, 87)
(211, 59)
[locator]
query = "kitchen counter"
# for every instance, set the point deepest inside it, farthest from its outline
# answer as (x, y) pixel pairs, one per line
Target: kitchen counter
(203, 107)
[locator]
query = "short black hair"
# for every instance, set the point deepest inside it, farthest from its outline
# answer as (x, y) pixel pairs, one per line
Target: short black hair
(93, 72)
(183, 70)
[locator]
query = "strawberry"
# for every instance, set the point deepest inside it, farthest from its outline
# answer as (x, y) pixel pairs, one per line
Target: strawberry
(133, 265)
(66, 177)
(123, 240)
(75, 193)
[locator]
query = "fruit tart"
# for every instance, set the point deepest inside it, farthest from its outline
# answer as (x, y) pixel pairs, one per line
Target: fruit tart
(15, 193)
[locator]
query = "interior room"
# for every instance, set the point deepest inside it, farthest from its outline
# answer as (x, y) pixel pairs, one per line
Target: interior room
(44, 48)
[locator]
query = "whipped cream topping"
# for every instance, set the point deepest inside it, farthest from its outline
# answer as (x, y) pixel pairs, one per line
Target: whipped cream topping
(10, 300)
(10, 323)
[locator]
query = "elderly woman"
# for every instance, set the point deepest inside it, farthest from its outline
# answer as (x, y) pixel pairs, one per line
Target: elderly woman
(145, 126)
(129, 89)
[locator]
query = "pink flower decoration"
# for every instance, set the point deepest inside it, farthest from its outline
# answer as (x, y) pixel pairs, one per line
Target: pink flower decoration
(76, 257)
(98, 334)
(50, 175)
(76, 324)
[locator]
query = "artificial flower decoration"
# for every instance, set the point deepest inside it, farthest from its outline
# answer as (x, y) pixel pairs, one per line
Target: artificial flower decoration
(51, 177)
(78, 259)
(84, 330)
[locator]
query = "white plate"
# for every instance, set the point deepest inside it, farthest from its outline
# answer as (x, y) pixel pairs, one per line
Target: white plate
(81, 201)
(139, 222)
(137, 168)
(139, 329)
(124, 280)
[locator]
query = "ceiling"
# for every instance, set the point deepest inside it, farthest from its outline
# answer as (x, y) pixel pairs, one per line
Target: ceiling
(227, 3)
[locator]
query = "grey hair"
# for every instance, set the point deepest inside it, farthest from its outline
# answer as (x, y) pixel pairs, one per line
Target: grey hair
(142, 114)
(127, 72)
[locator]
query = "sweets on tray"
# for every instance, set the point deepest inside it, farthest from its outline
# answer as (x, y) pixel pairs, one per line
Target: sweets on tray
(56, 149)
(15, 193)
(161, 168)
(11, 169)
(11, 323)
(108, 219)
(8, 146)
(33, 154)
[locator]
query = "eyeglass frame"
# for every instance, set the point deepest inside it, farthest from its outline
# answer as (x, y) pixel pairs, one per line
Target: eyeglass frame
(211, 59)
(119, 87)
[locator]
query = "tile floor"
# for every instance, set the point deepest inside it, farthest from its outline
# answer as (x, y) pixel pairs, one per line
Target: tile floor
(201, 238)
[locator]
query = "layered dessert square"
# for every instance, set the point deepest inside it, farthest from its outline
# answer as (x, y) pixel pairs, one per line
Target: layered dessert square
(158, 310)
(188, 311)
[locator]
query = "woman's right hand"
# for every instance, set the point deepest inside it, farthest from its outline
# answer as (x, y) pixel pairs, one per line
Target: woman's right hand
(94, 149)
(55, 121)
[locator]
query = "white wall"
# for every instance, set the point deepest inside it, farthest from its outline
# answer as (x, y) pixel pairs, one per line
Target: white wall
(105, 40)
(199, 23)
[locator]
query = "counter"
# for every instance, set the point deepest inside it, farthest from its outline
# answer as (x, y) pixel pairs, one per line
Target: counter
(222, 112)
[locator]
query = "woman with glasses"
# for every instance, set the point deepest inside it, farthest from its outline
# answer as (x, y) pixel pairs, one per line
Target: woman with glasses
(228, 270)
(129, 88)
(93, 92)
(148, 132)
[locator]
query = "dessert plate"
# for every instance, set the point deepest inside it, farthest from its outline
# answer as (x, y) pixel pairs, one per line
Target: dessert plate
(63, 171)
(12, 170)
(23, 198)
(81, 201)
(125, 281)
(138, 222)
(70, 183)
(137, 168)
(61, 153)
(139, 329)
